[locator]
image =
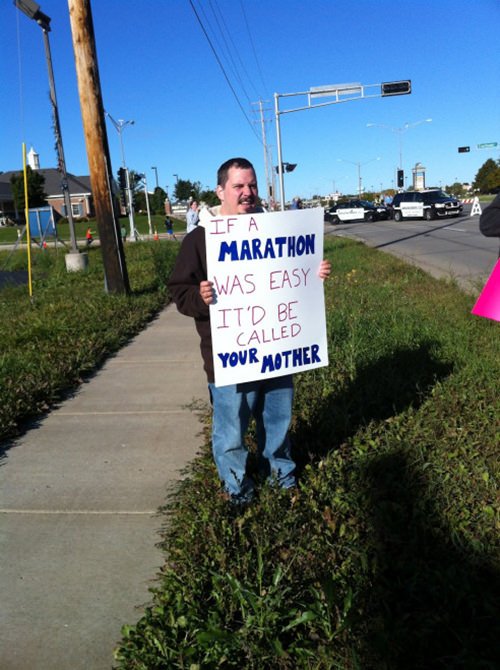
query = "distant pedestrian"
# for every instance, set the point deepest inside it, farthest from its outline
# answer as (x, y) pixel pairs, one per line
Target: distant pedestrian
(297, 203)
(489, 221)
(123, 231)
(90, 239)
(192, 217)
(169, 229)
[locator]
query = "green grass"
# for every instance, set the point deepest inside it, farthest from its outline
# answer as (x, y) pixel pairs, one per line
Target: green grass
(48, 346)
(387, 554)
(9, 235)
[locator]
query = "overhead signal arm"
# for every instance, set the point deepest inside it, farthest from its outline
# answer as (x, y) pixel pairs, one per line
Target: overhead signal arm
(339, 93)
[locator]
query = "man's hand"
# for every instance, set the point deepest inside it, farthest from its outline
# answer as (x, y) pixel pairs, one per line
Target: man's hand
(207, 292)
(325, 268)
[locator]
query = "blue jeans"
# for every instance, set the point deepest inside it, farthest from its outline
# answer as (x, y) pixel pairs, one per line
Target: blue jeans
(270, 402)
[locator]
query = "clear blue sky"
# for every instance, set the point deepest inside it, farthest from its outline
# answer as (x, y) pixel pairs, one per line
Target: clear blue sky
(157, 68)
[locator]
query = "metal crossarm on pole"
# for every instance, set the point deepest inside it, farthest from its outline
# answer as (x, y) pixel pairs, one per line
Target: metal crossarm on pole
(340, 93)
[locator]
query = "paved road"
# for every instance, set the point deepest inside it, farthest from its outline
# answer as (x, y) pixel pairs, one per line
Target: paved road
(451, 248)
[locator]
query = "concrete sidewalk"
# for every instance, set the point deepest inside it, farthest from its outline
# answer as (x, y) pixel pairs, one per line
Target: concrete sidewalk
(78, 497)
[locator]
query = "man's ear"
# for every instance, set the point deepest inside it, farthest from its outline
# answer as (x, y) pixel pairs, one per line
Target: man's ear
(220, 192)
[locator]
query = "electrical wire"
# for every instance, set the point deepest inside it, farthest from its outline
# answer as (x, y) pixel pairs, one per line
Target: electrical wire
(235, 50)
(224, 71)
(265, 88)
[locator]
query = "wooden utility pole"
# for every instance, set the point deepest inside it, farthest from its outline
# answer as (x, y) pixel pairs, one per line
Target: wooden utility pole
(96, 140)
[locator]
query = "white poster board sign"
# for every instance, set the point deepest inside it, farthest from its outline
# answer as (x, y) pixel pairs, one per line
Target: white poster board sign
(268, 317)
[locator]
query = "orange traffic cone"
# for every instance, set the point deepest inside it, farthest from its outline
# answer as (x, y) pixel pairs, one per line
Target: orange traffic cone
(156, 234)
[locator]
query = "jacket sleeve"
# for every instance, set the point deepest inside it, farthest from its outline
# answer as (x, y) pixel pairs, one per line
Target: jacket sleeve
(190, 269)
(489, 221)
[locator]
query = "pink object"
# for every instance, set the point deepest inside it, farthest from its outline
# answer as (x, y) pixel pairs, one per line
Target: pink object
(488, 303)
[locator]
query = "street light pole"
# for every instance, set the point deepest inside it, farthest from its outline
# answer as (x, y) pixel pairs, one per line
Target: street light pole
(32, 11)
(119, 126)
(156, 173)
(400, 131)
(280, 157)
(342, 160)
(147, 203)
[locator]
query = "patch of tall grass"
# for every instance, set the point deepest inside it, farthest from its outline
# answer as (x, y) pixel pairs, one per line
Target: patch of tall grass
(386, 555)
(48, 345)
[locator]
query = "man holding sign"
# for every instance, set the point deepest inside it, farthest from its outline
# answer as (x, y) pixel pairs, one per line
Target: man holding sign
(268, 395)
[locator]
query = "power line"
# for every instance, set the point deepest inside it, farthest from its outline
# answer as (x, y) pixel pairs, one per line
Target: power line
(253, 46)
(223, 70)
(229, 52)
(236, 51)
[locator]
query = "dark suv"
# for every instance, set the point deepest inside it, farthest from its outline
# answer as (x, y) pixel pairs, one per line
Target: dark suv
(430, 204)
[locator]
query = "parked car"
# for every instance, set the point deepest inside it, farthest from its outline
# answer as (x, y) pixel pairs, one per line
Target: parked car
(356, 210)
(429, 204)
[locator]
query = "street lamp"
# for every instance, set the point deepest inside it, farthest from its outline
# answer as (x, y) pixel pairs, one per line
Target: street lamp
(119, 126)
(32, 11)
(342, 160)
(400, 131)
(147, 202)
(156, 173)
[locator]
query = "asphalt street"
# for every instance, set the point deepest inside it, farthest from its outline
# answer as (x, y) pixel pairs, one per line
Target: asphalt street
(450, 248)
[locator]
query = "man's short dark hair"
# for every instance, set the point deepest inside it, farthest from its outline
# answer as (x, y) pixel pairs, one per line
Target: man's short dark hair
(222, 172)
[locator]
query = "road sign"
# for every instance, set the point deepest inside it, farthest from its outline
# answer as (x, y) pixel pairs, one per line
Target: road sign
(487, 145)
(335, 90)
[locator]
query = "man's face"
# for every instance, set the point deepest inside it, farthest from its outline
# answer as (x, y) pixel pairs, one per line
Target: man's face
(239, 195)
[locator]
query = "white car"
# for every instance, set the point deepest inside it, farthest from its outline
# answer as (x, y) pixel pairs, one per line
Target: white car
(356, 210)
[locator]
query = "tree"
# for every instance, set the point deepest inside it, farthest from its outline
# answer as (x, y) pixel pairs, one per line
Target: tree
(488, 176)
(455, 189)
(210, 198)
(135, 179)
(157, 201)
(186, 190)
(140, 201)
(36, 194)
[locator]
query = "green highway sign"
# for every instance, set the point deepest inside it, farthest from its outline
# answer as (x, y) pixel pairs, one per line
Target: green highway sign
(487, 145)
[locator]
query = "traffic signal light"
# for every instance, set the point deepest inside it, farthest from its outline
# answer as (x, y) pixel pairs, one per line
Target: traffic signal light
(122, 179)
(401, 178)
(463, 150)
(396, 87)
(287, 167)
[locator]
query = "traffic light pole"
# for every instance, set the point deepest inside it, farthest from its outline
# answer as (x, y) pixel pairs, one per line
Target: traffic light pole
(341, 93)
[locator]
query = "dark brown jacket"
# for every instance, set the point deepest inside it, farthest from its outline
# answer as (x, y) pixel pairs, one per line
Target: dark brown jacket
(184, 285)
